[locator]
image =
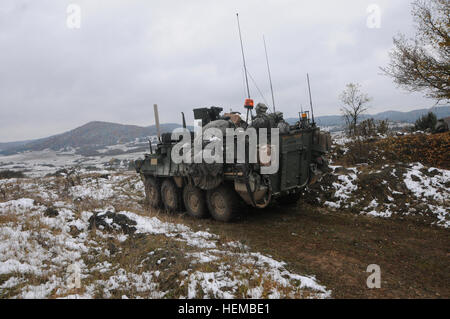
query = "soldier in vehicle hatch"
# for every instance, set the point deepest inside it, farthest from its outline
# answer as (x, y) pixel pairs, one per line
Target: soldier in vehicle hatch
(235, 118)
(280, 122)
(262, 120)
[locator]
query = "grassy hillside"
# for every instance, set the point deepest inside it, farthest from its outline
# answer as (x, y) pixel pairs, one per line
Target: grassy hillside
(90, 135)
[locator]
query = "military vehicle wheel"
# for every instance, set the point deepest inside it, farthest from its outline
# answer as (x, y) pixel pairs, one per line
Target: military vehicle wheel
(171, 196)
(152, 192)
(194, 201)
(222, 203)
(289, 199)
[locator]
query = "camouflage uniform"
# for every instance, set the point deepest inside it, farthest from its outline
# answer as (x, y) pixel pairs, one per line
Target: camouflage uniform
(261, 120)
(281, 124)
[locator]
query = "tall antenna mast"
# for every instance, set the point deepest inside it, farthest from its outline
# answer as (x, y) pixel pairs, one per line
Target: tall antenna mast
(248, 103)
(310, 99)
(243, 56)
(270, 77)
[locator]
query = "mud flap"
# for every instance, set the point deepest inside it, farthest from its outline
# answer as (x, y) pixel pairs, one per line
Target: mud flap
(259, 198)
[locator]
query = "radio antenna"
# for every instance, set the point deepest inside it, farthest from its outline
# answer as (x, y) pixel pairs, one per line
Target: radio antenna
(310, 99)
(247, 105)
(270, 77)
(243, 56)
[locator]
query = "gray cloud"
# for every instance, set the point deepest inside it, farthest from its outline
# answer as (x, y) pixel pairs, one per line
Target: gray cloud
(128, 55)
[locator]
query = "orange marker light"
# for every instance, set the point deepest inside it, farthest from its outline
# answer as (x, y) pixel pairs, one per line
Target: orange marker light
(304, 115)
(248, 104)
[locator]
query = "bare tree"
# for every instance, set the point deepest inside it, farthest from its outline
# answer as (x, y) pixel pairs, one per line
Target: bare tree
(354, 105)
(423, 63)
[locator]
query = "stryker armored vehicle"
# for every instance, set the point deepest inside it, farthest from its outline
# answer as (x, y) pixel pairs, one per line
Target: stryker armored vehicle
(218, 189)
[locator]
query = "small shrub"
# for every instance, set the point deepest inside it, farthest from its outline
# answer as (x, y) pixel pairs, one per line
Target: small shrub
(382, 127)
(366, 128)
(426, 122)
(370, 127)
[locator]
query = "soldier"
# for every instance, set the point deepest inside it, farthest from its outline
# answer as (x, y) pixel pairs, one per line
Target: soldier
(281, 123)
(261, 120)
(235, 118)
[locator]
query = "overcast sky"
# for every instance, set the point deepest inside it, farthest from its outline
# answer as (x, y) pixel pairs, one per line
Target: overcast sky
(127, 55)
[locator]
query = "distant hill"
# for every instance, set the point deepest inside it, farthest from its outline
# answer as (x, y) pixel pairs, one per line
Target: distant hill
(4, 146)
(90, 135)
(412, 116)
(87, 139)
(394, 116)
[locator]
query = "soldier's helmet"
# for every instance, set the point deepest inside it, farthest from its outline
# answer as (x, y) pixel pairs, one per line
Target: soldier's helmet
(261, 108)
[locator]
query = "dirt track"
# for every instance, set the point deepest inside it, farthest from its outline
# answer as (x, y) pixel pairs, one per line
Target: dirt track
(337, 247)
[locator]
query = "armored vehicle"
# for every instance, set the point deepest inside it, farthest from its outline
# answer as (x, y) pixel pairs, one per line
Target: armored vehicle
(219, 189)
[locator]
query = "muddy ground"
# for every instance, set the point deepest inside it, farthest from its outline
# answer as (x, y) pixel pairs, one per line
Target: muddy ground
(337, 247)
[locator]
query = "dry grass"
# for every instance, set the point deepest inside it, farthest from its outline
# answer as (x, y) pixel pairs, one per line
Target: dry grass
(336, 246)
(431, 150)
(137, 255)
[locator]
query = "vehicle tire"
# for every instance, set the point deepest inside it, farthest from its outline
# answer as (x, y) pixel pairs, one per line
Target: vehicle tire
(289, 199)
(223, 203)
(152, 192)
(195, 201)
(171, 196)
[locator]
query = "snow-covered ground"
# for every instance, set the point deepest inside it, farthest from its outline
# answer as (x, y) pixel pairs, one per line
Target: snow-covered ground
(41, 163)
(52, 232)
(48, 233)
(401, 189)
(389, 190)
